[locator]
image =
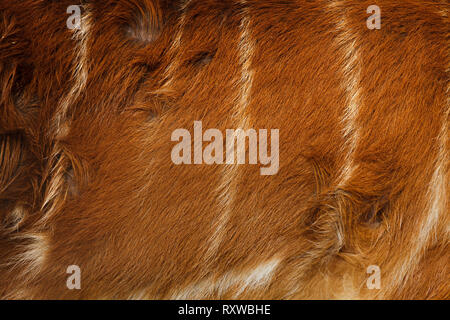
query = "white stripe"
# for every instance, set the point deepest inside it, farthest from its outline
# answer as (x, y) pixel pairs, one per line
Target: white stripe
(346, 38)
(56, 187)
(80, 72)
(35, 254)
(227, 189)
(438, 202)
(256, 278)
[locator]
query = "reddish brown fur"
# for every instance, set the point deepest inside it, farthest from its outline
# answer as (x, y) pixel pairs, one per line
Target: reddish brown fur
(85, 169)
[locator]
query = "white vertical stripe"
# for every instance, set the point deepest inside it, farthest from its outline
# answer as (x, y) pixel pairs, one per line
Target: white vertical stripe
(227, 189)
(346, 40)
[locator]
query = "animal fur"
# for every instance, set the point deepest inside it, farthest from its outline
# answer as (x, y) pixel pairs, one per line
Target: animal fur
(86, 178)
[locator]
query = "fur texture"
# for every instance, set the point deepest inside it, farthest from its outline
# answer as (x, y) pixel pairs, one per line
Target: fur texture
(85, 171)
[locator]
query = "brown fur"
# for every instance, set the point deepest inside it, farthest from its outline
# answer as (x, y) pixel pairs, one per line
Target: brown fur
(86, 177)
